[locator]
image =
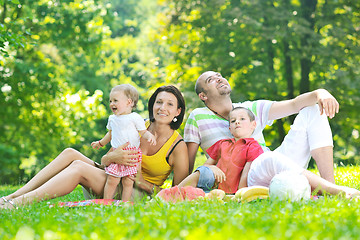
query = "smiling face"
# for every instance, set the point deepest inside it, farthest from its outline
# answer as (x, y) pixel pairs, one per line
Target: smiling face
(212, 84)
(120, 104)
(241, 126)
(165, 107)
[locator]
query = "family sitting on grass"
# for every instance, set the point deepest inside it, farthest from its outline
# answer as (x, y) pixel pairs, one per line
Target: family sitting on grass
(235, 153)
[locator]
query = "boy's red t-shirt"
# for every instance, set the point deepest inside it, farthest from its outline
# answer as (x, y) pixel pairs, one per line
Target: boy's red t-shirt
(232, 157)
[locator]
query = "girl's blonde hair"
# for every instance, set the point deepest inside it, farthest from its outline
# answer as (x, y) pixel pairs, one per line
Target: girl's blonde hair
(129, 91)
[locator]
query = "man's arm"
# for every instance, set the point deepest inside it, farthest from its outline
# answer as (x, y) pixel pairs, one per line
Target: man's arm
(327, 104)
(192, 150)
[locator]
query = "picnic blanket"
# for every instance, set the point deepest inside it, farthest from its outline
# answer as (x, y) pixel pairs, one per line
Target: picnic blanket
(108, 202)
(90, 202)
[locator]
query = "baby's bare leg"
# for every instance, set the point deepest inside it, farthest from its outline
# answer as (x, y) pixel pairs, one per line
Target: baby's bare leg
(63, 160)
(111, 186)
(127, 185)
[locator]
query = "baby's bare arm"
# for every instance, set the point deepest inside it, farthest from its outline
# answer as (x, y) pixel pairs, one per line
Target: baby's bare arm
(148, 136)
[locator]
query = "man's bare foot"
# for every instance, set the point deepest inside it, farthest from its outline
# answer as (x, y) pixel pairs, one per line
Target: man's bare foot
(351, 192)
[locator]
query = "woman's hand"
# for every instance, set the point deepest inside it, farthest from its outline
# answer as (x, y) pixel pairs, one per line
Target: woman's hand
(121, 156)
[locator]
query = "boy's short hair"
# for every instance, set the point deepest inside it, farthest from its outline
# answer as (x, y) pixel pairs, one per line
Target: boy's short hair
(129, 91)
(249, 112)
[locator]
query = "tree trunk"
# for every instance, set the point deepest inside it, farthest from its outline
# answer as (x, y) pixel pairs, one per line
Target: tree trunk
(288, 71)
(307, 13)
(273, 87)
(3, 14)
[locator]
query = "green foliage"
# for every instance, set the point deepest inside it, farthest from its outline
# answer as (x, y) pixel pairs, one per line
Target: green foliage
(43, 103)
(270, 50)
(53, 51)
(13, 34)
(325, 218)
(10, 168)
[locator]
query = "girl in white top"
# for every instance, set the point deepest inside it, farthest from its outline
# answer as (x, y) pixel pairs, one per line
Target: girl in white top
(124, 127)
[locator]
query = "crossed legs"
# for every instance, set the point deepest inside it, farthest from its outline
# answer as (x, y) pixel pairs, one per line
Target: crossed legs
(324, 161)
(62, 161)
(310, 136)
(64, 182)
(268, 164)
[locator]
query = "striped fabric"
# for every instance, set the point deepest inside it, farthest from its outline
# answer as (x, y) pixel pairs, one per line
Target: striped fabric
(206, 128)
(118, 170)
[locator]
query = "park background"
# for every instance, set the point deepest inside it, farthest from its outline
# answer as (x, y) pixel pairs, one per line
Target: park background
(59, 60)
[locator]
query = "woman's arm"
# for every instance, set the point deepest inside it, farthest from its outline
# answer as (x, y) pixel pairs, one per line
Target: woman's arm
(120, 156)
(180, 163)
(244, 175)
(141, 183)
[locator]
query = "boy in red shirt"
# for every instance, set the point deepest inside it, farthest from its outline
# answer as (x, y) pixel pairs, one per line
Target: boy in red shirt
(229, 159)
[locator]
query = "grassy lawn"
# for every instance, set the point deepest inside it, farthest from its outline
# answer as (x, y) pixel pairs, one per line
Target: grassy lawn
(325, 218)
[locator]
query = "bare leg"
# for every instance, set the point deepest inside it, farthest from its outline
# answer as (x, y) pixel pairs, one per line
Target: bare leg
(65, 182)
(127, 184)
(63, 160)
(191, 180)
(320, 184)
(111, 186)
(325, 162)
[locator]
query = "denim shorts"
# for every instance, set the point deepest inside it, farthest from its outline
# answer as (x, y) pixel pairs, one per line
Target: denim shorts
(206, 179)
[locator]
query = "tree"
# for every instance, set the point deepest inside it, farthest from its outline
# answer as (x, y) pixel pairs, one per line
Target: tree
(272, 50)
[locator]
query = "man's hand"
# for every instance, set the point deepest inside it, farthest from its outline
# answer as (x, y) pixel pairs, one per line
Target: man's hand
(327, 103)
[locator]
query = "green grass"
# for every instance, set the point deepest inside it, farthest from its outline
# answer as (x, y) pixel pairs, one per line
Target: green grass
(326, 218)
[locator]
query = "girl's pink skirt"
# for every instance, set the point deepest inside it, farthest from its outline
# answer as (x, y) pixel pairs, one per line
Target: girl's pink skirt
(118, 170)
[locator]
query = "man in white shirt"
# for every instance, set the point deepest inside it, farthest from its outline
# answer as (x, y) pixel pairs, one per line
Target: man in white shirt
(310, 135)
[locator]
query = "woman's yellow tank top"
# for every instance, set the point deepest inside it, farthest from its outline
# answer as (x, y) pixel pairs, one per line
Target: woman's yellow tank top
(155, 168)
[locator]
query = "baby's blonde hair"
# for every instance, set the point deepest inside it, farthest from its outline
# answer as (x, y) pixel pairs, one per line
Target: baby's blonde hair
(129, 91)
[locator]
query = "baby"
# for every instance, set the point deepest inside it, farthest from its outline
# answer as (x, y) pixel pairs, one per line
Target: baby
(124, 126)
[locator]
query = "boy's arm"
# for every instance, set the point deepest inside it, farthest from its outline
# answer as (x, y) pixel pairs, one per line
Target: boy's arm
(148, 136)
(218, 173)
(102, 142)
(244, 175)
(210, 162)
